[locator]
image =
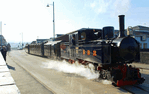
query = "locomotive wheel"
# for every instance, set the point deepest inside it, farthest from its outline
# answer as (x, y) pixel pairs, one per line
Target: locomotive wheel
(116, 75)
(109, 77)
(104, 74)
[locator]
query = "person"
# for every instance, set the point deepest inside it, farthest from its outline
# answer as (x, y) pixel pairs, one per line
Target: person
(73, 40)
(4, 52)
(8, 47)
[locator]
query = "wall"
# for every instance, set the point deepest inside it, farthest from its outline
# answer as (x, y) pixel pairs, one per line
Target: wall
(144, 57)
(138, 38)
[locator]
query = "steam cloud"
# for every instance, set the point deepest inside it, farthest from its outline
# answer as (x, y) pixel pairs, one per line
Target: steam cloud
(115, 7)
(76, 68)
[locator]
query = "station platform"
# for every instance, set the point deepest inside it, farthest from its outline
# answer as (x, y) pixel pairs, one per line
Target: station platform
(7, 83)
(141, 65)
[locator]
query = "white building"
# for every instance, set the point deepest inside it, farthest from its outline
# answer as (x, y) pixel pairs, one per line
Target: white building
(141, 34)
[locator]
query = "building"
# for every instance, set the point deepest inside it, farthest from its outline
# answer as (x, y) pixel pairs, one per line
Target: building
(33, 42)
(41, 40)
(141, 34)
(58, 35)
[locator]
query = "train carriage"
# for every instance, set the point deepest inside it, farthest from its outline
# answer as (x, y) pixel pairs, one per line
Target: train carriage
(47, 50)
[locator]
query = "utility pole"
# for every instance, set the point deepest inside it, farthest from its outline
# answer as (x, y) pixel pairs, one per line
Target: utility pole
(53, 20)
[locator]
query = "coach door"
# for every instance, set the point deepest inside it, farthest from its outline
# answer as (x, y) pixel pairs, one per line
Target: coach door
(73, 43)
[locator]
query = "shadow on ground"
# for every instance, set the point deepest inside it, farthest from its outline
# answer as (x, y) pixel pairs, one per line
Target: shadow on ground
(10, 67)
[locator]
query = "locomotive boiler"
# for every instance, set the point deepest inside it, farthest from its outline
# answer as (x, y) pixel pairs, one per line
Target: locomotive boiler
(109, 54)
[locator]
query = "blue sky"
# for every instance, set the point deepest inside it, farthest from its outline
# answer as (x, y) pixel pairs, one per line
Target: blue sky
(34, 19)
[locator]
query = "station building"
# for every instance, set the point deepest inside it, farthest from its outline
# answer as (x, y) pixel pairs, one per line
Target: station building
(140, 33)
(41, 40)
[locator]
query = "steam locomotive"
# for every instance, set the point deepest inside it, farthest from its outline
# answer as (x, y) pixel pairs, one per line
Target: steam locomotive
(110, 55)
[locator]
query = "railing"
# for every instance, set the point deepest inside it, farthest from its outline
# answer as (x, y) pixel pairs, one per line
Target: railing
(144, 50)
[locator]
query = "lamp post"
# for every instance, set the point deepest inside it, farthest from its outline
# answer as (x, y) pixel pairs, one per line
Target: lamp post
(53, 20)
(21, 43)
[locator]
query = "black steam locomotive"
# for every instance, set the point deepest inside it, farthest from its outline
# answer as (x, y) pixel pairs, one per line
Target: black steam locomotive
(109, 55)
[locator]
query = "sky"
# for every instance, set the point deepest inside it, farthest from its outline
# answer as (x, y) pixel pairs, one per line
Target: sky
(32, 19)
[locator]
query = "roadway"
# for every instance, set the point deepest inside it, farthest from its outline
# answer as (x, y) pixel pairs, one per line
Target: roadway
(56, 81)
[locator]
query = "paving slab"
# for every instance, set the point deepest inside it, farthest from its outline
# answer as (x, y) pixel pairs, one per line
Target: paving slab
(2, 61)
(5, 74)
(7, 84)
(140, 65)
(4, 69)
(9, 89)
(6, 81)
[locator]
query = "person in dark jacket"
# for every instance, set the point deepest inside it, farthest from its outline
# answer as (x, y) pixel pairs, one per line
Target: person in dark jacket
(4, 52)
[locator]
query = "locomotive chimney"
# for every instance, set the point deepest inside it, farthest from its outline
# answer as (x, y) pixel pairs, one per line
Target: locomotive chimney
(121, 25)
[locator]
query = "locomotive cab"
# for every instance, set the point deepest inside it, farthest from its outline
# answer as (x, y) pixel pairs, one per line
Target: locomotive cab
(87, 34)
(108, 32)
(84, 35)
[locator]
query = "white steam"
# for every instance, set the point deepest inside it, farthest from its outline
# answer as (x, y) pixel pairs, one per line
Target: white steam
(115, 7)
(76, 68)
(106, 82)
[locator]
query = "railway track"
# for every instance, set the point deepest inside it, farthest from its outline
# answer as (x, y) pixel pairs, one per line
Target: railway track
(136, 89)
(143, 68)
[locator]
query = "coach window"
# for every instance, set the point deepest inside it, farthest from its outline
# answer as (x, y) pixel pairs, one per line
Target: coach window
(83, 36)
